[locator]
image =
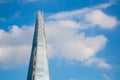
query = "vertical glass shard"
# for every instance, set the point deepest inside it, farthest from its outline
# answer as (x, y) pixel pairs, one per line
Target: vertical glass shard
(38, 67)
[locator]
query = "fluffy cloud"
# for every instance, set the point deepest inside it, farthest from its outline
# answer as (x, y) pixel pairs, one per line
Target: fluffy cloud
(97, 17)
(104, 6)
(88, 17)
(99, 61)
(80, 46)
(70, 14)
(15, 46)
(63, 43)
(65, 39)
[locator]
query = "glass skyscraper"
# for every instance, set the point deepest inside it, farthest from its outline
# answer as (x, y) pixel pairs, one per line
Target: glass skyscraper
(38, 66)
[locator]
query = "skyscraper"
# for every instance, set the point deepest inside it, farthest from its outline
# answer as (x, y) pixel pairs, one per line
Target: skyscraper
(38, 67)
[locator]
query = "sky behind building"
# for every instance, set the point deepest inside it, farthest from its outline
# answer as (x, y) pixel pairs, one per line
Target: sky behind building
(82, 37)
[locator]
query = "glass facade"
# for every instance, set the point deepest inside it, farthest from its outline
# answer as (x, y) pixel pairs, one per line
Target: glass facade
(38, 67)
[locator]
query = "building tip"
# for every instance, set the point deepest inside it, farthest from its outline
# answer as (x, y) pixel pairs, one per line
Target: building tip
(40, 16)
(40, 13)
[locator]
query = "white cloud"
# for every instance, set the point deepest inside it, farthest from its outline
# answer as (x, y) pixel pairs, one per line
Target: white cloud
(80, 46)
(104, 6)
(99, 62)
(15, 46)
(70, 14)
(79, 13)
(64, 42)
(63, 38)
(88, 17)
(97, 17)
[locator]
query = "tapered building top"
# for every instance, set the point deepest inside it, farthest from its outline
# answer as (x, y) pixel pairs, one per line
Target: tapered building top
(40, 20)
(38, 67)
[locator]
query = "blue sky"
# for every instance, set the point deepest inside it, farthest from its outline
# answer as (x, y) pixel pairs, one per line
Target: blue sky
(82, 38)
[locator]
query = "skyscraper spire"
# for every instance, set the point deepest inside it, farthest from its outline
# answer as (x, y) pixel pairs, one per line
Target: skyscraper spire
(38, 67)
